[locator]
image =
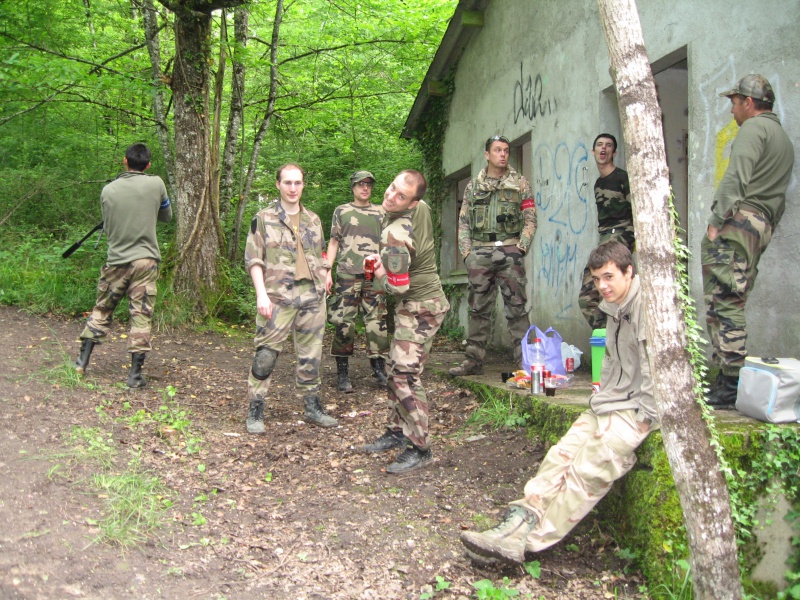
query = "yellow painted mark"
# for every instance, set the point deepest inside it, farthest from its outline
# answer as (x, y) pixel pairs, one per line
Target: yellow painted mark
(725, 137)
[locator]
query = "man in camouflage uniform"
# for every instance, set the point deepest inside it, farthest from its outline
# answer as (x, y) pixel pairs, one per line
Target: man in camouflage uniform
(355, 233)
(285, 260)
(406, 267)
(612, 193)
(747, 207)
(495, 230)
(131, 206)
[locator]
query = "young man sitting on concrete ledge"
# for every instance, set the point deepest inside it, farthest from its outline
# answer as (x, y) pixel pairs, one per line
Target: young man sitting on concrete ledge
(599, 447)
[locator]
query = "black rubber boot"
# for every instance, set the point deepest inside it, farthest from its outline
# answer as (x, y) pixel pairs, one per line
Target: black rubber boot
(379, 371)
(135, 377)
(388, 441)
(316, 414)
(412, 458)
(342, 369)
(83, 358)
(723, 396)
(255, 419)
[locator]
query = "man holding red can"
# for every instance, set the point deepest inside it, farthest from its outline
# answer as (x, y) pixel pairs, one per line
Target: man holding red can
(406, 268)
(355, 233)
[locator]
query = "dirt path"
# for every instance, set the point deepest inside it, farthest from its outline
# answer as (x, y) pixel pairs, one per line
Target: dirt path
(293, 514)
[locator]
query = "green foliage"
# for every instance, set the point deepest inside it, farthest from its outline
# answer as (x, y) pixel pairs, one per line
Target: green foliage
(430, 591)
(498, 410)
(486, 590)
(133, 508)
(534, 569)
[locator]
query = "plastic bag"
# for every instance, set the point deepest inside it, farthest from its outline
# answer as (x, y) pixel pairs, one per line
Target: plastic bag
(570, 351)
(552, 350)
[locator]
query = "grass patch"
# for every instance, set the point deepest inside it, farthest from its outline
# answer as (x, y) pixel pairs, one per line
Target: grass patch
(135, 503)
(500, 410)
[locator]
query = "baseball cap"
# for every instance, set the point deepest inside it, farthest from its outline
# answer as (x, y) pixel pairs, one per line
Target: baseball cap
(361, 176)
(752, 86)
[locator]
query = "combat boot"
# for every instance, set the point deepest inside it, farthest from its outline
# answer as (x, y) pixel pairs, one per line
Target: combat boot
(723, 395)
(468, 367)
(342, 369)
(379, 371)
(82, 361)
(411, 458)
(316, 414)
(389, 440)
(255, 419)
(506, 541)
(135, 377)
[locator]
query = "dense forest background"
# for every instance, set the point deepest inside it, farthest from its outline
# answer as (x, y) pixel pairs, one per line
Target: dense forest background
(223, 92)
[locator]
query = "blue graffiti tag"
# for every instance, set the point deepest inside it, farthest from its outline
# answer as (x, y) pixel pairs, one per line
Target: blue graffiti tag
(562, 197)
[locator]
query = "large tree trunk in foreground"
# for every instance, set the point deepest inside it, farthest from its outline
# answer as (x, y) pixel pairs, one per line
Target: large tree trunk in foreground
(199, 233)
(695, 468)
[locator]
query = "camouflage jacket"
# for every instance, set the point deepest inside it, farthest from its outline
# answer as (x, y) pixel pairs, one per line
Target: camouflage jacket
(357, 229)
(272, 245)
(408, 255)
(612, 195)
(511, 184)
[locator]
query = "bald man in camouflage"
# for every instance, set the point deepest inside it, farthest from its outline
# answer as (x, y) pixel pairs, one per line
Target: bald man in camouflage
(496, 225)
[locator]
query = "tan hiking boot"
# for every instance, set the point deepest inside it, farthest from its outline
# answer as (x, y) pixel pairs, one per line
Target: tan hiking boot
(505, 541)
(468, 367)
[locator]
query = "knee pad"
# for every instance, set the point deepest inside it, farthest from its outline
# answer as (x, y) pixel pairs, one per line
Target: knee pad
(264, 363)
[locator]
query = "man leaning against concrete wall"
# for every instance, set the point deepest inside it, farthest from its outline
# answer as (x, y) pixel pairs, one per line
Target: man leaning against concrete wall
(495, 230)
(747, 207)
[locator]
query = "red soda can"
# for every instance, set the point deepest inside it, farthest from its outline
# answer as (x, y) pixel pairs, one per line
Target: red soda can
(570, 365)
(369, 268)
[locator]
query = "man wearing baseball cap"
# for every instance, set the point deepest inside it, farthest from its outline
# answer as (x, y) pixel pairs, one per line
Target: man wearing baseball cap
(356, 233)
(747, 207)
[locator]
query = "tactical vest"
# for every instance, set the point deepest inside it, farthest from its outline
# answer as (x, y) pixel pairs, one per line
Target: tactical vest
(494, 215)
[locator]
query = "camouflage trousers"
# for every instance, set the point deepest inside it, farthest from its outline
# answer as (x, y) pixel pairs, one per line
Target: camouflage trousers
(578, 472)
(305, 318)
(730, 266)
(488, 268)
(351, 294)
(136, 279)
(589, 297)
(416, 323)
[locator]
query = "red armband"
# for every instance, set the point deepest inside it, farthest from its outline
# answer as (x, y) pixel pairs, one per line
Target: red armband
(528, 203)
(398, 279)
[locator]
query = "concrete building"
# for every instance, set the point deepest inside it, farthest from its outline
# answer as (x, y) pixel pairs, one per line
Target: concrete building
(537, 72)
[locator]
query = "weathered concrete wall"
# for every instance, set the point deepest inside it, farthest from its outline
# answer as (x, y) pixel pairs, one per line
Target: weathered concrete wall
(542, 68)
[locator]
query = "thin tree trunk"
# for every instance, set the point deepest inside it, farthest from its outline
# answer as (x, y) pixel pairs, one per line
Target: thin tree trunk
(150, 15)
(219, 81)
(236, 116)
(695, 468)
(233, 247)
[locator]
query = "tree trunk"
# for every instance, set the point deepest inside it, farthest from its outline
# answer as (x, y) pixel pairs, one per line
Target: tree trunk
(228, 190)
(153, 47)
(199, 234)
(695, 468)
(233, 246)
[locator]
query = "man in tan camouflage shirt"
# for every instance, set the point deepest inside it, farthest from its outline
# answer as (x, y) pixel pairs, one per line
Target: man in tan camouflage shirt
(496, 225)
(356, 233)
(285, 260)
(406, 267)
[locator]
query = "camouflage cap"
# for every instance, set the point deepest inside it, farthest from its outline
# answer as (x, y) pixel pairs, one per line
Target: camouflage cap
(752, 86)
(361, 176)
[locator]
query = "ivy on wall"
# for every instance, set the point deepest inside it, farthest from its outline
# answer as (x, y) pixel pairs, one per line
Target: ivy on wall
(429, 137)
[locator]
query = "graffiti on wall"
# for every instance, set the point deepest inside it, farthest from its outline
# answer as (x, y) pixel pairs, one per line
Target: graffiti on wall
(529, 99)
(563, 194)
